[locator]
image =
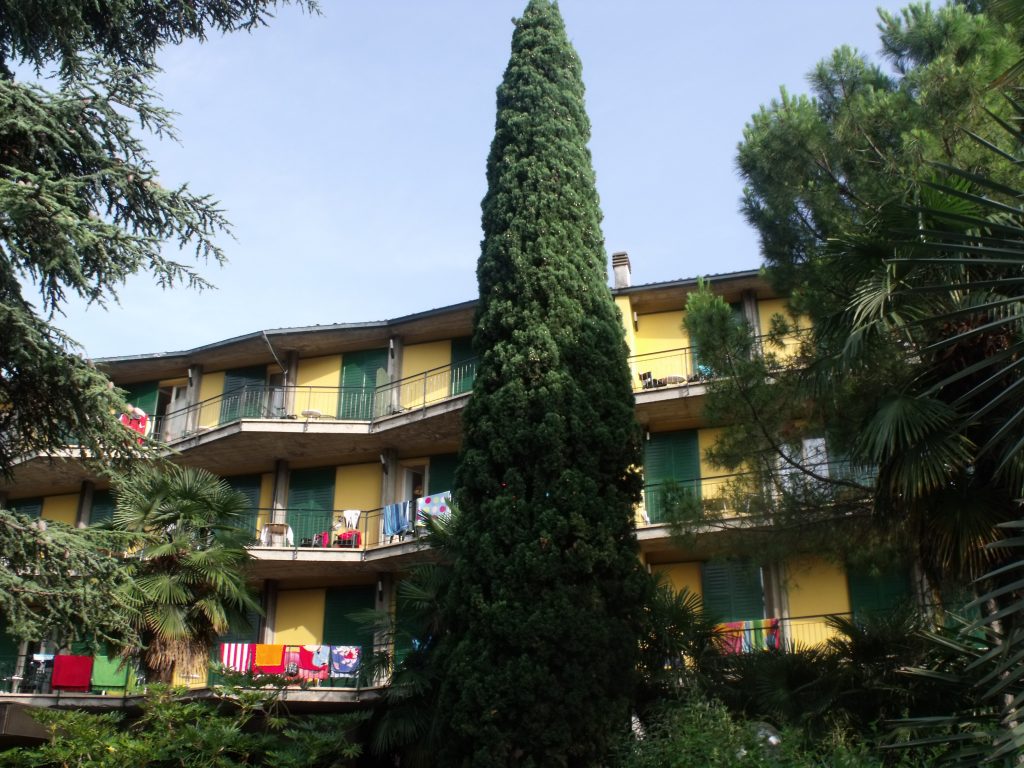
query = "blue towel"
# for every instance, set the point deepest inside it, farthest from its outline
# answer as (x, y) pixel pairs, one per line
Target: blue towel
(344, 660)
(396, 519)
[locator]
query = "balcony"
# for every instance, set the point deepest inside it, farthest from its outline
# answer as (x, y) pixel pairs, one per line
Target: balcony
(365, 405)
(745, 499)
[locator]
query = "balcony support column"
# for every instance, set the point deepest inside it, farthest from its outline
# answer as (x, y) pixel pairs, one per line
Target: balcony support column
(195, 378)
(750, 314)
(389, 476)
(279, 500)
(84, 514)
(269, 601)
(394, 374)
(290, 379)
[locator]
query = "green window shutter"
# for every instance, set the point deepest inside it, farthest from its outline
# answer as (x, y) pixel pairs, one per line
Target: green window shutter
(310, 502)
(441, 472)
(878, 591)
(340, 628)
(732, 590)
(249, 486)
(243, 632)
(244, 392)
(463, 365)
(102, 508)
(358, 382)
(27, 507)
(144, 395)
(670, 458)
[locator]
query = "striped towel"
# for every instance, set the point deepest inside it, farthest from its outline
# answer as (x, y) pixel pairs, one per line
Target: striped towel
(345, 660)
(237, 656)
(749, 636)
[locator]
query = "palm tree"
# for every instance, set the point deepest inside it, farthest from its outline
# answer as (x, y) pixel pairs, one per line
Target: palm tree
(189, 574)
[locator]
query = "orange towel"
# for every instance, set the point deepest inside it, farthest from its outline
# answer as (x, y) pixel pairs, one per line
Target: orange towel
(269, 658)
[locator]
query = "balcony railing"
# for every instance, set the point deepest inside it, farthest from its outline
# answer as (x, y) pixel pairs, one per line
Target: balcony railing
(748, 497)
(424, 389)
(336, 529)
(670, 368)
(318, 403)
(781, 634)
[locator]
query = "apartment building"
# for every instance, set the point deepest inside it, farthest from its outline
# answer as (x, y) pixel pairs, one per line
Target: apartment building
(341, 435)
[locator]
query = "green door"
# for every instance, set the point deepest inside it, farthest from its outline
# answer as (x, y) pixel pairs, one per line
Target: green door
(249, 486)
(671, 466)
(441, 472)
(341, 627)
(244, 394)
(463, 365)
(358, 382)
(310, 503)
(874, 591)
(102, 508)
(732, 590)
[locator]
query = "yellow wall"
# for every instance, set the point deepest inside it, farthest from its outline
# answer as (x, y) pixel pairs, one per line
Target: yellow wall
(418, 358)
(815, 587)
(312, 374)
(662, 332)
(61, 509)
(626, 310)
(299, 619)
(266, 500)
(212, 385)
(195, 680)
(358, 486)
(711, 474)
(681, 576)
(766, 308)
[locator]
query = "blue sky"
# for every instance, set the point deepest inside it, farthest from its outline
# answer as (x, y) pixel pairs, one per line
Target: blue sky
(348, 150)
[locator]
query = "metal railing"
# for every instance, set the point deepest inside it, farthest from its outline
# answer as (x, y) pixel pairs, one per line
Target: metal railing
(317, 403)
(682, 366)
(793, 633)
(670, 368)
(748, 497)
(423, 389)
(335, 529)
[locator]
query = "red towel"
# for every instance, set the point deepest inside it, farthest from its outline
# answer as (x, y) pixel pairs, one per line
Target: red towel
(308, 668)
(71, 673)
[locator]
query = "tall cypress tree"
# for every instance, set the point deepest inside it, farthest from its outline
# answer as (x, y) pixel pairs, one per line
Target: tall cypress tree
(544, 605)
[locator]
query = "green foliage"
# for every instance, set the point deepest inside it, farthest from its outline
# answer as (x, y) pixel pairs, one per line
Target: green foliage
(978, 671)
(701, 732)
(885, 380)
(63, 583)
(80, 205)
(237, 728)
(189, 576)
(544, 610)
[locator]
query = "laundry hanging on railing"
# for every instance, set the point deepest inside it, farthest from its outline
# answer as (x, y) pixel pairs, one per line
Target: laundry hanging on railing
(434, 505)
(237, 657)
(302, 662)
(71, 673)
(345, 660)
(396, 519)
(747, 636)
(268, 659)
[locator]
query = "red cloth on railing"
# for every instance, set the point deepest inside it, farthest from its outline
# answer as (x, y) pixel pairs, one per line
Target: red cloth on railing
(349, 539)
(71, 673)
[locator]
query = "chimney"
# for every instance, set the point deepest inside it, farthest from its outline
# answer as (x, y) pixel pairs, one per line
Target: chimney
(620, 269)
